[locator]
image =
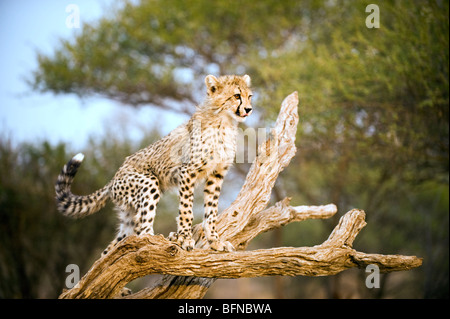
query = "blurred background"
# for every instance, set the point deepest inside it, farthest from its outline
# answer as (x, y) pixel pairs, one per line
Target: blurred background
(107, 78)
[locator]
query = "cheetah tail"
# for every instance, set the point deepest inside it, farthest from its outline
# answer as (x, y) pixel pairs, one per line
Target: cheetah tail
(73, 205)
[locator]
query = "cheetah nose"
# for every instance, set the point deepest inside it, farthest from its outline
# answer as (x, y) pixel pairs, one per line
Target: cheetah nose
(247, 109)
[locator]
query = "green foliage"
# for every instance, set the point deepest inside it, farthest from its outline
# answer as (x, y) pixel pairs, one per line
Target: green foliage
(385, 89)
(374, 103)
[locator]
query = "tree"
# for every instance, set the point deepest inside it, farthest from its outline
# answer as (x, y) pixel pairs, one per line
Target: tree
(190, 274)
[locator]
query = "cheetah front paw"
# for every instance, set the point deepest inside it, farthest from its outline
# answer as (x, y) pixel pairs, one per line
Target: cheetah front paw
(221, 246)
(185, 242)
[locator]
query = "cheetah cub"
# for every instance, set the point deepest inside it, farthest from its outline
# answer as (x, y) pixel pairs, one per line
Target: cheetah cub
(201, 149)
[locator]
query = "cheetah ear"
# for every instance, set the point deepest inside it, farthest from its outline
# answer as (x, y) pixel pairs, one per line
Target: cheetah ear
(247, 80)
(211, 83)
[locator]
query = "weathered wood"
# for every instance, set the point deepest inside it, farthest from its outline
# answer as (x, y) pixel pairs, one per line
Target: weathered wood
(190, 274)
(141, 256)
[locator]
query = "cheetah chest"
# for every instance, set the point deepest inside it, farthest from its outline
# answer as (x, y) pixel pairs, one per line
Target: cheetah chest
(222, 145)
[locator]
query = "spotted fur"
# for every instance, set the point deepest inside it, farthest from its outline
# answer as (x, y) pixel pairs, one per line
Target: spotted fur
(201, 149)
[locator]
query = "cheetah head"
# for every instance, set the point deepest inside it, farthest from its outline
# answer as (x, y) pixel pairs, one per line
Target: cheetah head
(230, 95)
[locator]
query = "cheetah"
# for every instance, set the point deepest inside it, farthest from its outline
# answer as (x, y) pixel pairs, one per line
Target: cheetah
(202, 149)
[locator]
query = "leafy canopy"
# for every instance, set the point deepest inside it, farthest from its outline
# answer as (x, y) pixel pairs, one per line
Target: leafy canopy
(382, 91)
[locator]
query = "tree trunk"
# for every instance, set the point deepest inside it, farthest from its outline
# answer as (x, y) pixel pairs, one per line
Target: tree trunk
(190, 274)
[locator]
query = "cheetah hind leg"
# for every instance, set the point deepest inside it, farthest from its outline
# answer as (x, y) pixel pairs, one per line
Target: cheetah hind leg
(125, 229)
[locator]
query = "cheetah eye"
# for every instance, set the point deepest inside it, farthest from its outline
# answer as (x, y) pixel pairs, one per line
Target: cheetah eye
(237, 96)
(250, 97)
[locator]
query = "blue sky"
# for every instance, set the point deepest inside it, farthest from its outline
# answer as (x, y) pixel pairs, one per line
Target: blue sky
(27, 26)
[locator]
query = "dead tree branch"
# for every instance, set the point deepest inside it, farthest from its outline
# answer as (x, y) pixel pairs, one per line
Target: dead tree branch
(190, 274)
